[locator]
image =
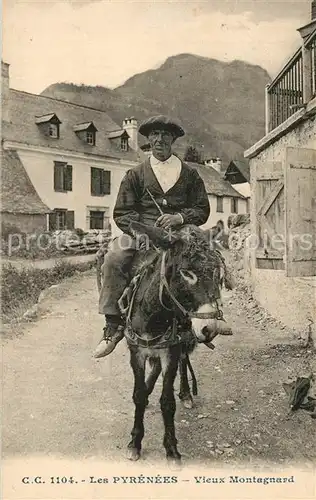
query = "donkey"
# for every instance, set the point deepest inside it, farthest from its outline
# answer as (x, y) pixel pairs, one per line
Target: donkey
(173, 305)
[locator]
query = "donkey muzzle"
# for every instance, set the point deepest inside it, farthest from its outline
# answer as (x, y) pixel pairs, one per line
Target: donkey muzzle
(216, 327)
(212, 329)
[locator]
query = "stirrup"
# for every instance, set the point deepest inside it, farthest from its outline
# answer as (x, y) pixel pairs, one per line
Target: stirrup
(110, 336)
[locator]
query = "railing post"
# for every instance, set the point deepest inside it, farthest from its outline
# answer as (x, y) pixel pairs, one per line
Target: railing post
(307, 73)
(267, 110)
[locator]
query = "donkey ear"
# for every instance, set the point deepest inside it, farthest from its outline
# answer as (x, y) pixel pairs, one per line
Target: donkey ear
(160, 237)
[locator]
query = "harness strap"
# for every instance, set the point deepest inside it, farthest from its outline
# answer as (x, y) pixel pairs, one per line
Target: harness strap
(166, 339)
(163, 281)
(164, 284)
(194, 382)
(128, 319)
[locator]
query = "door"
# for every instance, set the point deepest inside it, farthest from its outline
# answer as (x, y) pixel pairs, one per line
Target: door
(270, 226)
(300, 210)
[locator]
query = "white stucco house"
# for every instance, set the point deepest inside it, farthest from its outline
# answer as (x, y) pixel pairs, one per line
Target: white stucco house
(73, 157)
(224, 199)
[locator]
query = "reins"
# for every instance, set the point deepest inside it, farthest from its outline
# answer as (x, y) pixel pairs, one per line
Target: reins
(164, 285)
(170, 336)
(165, 339)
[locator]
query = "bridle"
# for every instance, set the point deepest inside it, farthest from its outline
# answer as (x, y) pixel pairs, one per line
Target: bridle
(170, 337)
(164, 286)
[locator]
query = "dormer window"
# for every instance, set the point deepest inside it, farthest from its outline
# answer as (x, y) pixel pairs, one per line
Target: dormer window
(124, 143)
(120, 139)
(53, 130)
(91, 138)
(49, 125)
(86, 132)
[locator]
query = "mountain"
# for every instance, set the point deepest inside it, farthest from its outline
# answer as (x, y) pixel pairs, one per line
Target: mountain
(221, 105)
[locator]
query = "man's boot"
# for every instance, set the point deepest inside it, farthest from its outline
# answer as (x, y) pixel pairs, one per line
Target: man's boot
(113, 333)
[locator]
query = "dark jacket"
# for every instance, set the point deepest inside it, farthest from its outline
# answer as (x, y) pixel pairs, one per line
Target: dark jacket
(187, 197)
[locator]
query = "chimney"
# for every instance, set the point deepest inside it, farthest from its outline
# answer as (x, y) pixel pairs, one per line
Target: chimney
(313, 10)
(5, 90)
(215, 163)
(130, 125)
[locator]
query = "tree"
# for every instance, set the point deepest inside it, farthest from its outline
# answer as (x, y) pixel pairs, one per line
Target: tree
(193, 155)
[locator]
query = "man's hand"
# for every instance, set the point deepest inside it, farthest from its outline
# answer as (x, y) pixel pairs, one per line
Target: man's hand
(142, 242)
(166, 221)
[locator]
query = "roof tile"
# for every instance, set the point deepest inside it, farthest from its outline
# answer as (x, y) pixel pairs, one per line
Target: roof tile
(18, 195)
(22, 127)
(214, 182)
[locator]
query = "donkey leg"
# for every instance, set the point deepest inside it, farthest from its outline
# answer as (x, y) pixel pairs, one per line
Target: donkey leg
(153, 376)
(169, 361)
(139, 397)
(185, 393)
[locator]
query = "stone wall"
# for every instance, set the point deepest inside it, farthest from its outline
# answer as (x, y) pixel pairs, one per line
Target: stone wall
(290, 300)
(269, 295)
(27, 223)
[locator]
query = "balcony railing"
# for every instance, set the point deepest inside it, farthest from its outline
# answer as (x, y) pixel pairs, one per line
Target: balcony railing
(293, 87)
(312, 49)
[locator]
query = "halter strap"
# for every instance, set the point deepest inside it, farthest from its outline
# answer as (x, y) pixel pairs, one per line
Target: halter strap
(170, 336)
(165, 285)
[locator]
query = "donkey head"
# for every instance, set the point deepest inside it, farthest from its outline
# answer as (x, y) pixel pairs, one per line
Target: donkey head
(194, 270)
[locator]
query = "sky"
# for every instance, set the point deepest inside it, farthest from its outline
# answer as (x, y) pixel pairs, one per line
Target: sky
(104, 42)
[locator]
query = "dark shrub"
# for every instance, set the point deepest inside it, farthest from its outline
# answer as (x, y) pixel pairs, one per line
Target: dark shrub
(20, 288)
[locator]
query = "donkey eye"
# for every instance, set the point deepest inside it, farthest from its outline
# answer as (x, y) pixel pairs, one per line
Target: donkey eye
(189, 276)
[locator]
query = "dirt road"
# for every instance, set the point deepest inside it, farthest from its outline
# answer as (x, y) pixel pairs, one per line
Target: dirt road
(61, 402)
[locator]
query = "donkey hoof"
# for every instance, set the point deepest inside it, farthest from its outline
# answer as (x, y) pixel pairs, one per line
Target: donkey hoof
(188, 403)
(174, 463)
(133, 454)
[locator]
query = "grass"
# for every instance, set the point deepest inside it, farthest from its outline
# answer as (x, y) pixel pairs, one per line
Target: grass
(20, 288)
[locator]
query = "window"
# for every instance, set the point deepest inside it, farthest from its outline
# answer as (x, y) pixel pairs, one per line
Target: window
(219, 204)
(100, 181)
(86, 132)
(62, 176)
(96, 219)
(49, 125)
(124, 143)
(90, 137)
(234, 205)
(53, 130)
(61, 219)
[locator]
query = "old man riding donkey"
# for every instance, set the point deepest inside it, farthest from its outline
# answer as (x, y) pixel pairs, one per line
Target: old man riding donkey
(172, 301)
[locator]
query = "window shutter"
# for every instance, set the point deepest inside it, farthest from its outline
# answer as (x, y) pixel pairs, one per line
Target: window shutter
(58, 177)
(219, 204)
(300, 210)
(95, 181)
(106, 182)
(234, 205)
(68, 178)
(269, 221)
(52, 221)
(70, 219)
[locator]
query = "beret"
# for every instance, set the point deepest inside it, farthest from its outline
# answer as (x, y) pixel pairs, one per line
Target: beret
(161, 122)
